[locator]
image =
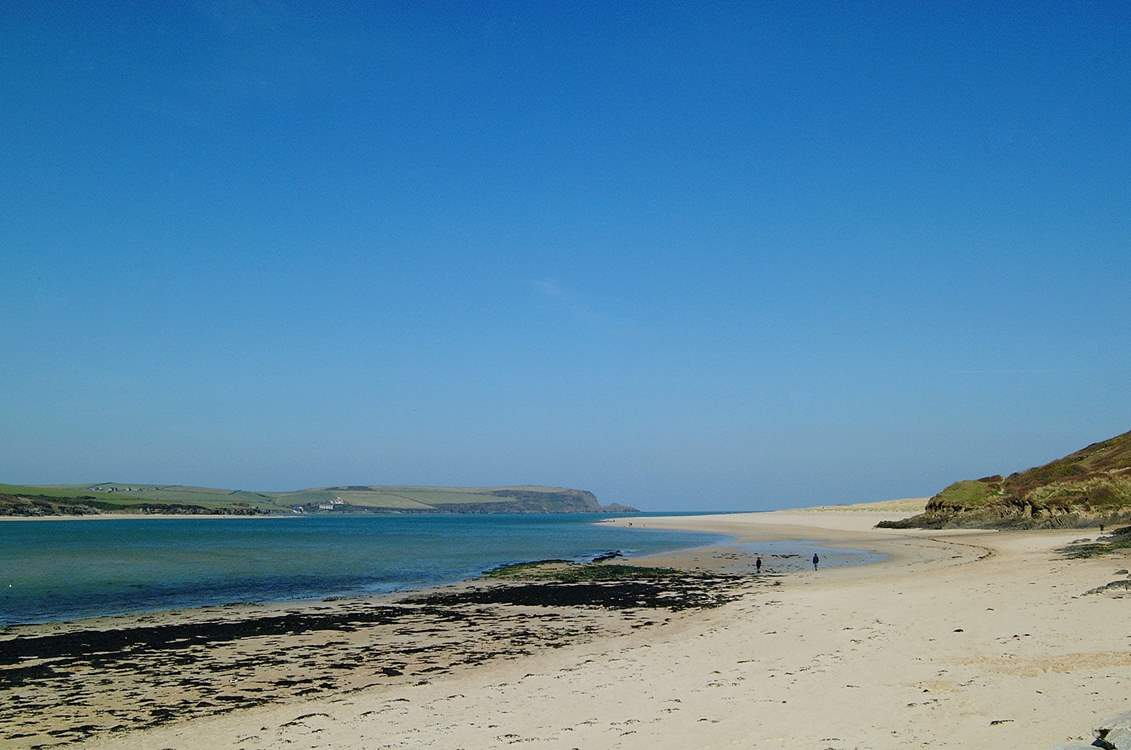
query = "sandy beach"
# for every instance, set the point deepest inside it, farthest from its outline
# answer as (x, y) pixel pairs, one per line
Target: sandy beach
(958, 639)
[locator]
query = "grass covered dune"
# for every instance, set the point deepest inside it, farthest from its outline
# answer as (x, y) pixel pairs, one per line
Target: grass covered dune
(1087, 488)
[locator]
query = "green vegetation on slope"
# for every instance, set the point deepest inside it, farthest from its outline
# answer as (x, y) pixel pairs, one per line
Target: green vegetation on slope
(115, 497)
(1088, 487)
(969, 493)
(130, 498)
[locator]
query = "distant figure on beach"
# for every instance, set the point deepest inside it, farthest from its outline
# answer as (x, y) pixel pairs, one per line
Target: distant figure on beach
(816, 561)
(1101, 528)
(758, 564)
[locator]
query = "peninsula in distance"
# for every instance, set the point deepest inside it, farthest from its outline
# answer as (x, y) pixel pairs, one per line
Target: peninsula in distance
(124, 499)
(1089, 486)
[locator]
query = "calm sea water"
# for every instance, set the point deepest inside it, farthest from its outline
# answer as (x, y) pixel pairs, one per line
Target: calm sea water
(55, 570)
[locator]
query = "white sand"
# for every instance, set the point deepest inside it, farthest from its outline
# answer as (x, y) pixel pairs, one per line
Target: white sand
(954, 632)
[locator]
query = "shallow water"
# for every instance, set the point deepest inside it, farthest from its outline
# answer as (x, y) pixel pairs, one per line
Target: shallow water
(797, 554)
(62, 570)
(56, 570)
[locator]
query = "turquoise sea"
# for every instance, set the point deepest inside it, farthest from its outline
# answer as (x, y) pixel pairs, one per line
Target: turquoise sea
(61, 570)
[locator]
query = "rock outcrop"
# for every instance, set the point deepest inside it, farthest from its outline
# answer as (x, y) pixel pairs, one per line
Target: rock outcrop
(1115, 734)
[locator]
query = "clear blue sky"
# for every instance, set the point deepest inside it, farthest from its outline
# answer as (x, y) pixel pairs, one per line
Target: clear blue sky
(686, 255)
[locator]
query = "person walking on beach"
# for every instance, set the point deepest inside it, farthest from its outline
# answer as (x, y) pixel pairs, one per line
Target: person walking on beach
(816, 561)
(758, 565)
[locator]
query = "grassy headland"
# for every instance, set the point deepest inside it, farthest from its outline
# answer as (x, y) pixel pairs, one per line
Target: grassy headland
(125, 498)
(1089, 487)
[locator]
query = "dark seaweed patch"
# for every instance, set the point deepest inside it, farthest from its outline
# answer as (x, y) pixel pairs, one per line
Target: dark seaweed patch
(78, 682)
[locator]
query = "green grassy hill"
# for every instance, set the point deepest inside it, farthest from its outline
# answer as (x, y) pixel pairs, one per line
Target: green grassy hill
(1085, 488)
(116, 497)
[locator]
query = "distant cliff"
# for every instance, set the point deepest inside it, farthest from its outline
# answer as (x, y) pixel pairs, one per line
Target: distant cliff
(127, 498)
(1085, 488)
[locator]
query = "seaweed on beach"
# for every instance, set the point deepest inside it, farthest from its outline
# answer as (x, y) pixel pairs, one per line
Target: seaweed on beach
(96, 647)
(523, 569)
(621, 594)
(560, 583)
(1095, 549)
(1116, 541)
(74, 681)
(564, 571)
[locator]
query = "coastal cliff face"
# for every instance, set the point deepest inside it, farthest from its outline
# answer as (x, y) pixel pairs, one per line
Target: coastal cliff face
(572, 501)
(533, 500)
(1089, 487)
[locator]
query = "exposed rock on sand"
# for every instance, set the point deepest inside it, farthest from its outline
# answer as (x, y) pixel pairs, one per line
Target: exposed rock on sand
(1115, 734)
(1109, 588)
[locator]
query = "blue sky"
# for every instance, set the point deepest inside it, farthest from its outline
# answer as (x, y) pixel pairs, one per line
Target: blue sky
(686, 255)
